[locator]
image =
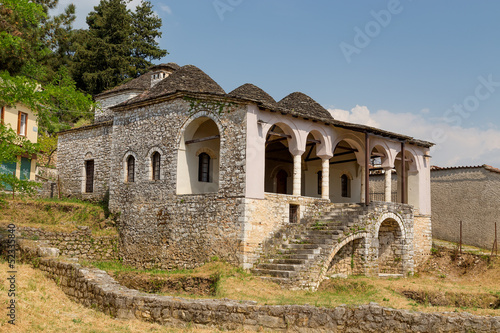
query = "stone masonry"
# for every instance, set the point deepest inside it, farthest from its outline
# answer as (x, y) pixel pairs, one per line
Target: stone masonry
(95, 288)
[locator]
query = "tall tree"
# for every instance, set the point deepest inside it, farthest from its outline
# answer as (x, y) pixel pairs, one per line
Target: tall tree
(25, 76)
(146, 32)
(102, 57)
(118, 45)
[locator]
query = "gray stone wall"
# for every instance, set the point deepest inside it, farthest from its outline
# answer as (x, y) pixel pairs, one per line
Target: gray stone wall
(94, 288)
(77, 146)
(159, 228)
(80, 244)
(471, 195)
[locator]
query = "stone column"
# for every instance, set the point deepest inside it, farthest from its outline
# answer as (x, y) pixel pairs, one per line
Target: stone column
(297, 174)
(388, 184)
(325, 178)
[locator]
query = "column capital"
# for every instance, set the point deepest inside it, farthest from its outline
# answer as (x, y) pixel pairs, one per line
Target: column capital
(325, 156)
(296, 152)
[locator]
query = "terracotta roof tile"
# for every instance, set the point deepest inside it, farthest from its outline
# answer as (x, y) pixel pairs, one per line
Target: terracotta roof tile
(484, 166)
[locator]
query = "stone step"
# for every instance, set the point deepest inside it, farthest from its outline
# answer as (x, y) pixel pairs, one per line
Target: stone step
(299, 246)
(275, 273)
(278, 267)
(302, 251)
(288, 261)
(326, 231)
(277, 280)
(318, 239)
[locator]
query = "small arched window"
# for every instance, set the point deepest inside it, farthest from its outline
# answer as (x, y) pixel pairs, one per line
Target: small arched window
(130, 169)
(346, 186)
(204, 168)
(155, 161)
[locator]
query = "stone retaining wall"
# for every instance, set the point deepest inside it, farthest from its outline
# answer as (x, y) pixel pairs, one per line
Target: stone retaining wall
(78, 243)
(95, 288)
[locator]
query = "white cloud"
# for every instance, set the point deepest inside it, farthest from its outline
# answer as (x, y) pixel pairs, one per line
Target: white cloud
(83, 8)
(454, 145)
(166, 9)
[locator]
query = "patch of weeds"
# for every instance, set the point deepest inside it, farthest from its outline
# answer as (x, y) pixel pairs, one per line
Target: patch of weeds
(442, 276)
(214, 259)
(77, 320)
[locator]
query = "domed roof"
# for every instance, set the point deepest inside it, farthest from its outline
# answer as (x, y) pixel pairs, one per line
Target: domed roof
(302, 105)
(188, 78)
(253, 93)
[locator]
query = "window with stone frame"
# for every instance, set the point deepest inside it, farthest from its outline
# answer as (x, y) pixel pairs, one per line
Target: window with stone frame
(131, 169)
(155, 163)
(204, 168)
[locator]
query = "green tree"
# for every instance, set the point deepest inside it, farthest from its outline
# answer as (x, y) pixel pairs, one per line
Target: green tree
(119, 45)
(102, 54)
(27, 39)
(146, 32)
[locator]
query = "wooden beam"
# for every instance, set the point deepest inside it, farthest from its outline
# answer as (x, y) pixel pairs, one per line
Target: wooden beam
(203, 139)
(378, 155)
(275, 140)
(347, 148)
(269, 135)
(345, 161)
(314, 141)
(283, 135)
(310, 151)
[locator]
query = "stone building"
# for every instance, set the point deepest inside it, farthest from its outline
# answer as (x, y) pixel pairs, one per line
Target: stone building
(279, 187)
(470, 194)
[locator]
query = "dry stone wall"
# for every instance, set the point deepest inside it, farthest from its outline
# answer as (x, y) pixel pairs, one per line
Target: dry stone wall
(95, 288)
(81, 243)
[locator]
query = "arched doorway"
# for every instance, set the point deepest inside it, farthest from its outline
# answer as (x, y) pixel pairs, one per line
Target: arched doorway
(390, 251)
(278, 162)
(198, 158)
(281, 182)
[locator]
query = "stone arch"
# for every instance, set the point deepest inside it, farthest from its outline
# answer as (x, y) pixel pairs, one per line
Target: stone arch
(389, 215)
(189, 121)
(339, 246)
(391, 254)
(201, 135)
(382, 148)
(324, 148)
(288, 128)
(354, 142)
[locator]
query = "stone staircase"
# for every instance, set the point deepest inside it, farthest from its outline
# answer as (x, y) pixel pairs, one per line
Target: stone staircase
(301, 251)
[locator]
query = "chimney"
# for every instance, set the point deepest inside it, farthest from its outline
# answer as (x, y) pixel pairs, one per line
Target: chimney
(158, 76)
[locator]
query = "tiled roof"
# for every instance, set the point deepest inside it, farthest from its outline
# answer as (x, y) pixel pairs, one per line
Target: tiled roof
(190, 79)
(253, 93)
(302, 105)
(484, 166)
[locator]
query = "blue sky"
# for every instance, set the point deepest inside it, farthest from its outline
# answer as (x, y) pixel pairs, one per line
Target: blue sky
(425, 68)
